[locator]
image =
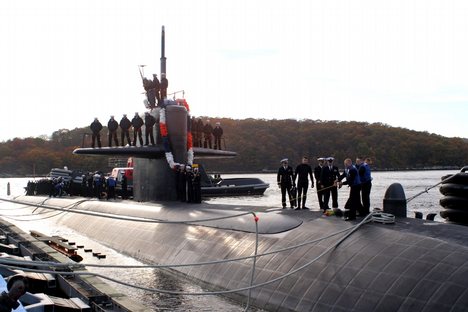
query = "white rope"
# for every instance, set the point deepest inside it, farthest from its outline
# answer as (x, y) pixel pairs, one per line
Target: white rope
(426, 190)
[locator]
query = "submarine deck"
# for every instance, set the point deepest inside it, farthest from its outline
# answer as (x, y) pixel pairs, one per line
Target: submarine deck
(414, 264)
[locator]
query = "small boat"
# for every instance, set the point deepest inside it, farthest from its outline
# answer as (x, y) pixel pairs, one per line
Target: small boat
(235, 187)
(217, 186)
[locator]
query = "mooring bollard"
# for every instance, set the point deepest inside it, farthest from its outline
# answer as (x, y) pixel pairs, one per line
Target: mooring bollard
(395, 201)
(8, 189)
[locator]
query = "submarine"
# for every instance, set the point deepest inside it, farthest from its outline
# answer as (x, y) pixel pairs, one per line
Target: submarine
(276, 260)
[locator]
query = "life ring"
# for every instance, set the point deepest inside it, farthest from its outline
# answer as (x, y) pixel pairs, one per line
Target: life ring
(454, 189)
(455, 215)
(454, 202)
(459, 178)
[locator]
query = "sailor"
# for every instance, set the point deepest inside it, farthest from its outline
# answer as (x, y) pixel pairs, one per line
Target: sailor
(96, 128)
(328, 178)
(51, 185)
(352, 180)
(302, 173)
(189, 178)
(217, 133)
(149, 124)
(148, 86)
(163, 88)
(285, 182)
(358, 163)
(111, 183)
(59, 187)
(156, 87)
(97, 183)
(196, 184)
(112, 126)
(90, 183)
(207, 135)
(199, 130)
(137, 123)
(125, 125)
(17, 286)
(366, 185)
(83, 189)
(317, 173)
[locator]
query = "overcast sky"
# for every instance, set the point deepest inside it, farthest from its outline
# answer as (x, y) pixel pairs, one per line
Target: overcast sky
(403, 63)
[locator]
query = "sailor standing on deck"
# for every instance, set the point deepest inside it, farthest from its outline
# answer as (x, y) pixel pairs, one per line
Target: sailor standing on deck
(329, 178)
(150, 92)
(163, 89)
(207, 134)
(217, 133)
(354, 182)
(156, 87)
(366, 185)
(285, 181)
(137, 123)
(303, 172)
(125, 125)
(112, 126)
(96, 128)
(317, 173)
(149, 124)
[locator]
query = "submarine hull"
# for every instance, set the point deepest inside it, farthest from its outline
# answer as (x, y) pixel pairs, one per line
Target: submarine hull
(415, 267)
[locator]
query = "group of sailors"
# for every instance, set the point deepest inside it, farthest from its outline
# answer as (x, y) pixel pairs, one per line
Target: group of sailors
(156, 91)
(203, 134)
(93, 184)
(96, 184)
(188, 183)
(328, 180)
(125, 125)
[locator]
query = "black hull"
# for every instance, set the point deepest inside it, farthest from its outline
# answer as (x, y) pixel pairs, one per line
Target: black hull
(235, 187)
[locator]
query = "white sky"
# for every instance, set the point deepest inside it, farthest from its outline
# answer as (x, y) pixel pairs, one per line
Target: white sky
(403, 63)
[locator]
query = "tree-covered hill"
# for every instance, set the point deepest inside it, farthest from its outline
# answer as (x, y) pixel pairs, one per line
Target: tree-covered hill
(260, 144)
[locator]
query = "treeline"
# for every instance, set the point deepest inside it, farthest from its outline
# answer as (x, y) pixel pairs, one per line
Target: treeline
(260, 144)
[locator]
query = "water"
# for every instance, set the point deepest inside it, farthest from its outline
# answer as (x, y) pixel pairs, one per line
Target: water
(413, 182)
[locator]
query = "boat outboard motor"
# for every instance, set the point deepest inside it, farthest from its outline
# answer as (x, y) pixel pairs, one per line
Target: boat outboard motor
(395, 200)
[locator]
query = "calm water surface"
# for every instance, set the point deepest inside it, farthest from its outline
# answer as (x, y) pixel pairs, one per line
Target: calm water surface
(413, 182)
